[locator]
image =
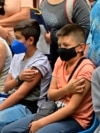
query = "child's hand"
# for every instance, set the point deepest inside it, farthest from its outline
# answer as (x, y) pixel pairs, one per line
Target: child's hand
(76, 85)
(28, 74)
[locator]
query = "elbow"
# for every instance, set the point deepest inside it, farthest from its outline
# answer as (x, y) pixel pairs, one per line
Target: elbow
(51, 97)
(25, 14)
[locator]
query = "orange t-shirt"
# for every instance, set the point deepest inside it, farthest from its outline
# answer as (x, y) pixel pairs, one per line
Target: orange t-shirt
(85, 69)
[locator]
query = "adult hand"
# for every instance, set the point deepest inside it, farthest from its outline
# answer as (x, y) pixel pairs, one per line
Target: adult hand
(4, 33)
(47, 37)
(34, 126)
(76, 85)
(28, 74)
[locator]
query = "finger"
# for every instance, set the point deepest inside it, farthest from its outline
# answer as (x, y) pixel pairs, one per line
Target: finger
(80, 82)
(80, 88)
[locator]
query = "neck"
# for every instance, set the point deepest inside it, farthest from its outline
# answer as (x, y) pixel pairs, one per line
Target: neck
(53, 2)
(72, 63)
(30, 52)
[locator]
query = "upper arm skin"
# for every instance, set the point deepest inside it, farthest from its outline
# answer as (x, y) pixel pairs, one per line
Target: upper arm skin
(2, 56)
(14, 19)
(21, 92)
(53, 92)
(76, 99)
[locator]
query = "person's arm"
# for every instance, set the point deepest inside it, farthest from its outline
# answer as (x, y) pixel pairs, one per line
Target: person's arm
(14, 19)
(21, 92)
(62, 113)
(96, 91)
(4, 32)
(81, 15)
(3, 54)
(73, 86)
(10, 83)
(27, 75)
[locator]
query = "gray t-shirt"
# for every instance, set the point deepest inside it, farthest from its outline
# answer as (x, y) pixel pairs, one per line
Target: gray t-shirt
(55, 16)
(39, 61)
(5, 70)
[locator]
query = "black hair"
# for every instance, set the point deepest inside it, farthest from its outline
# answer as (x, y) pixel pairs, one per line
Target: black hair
(75, 29)
(29, 28)
(2, 3)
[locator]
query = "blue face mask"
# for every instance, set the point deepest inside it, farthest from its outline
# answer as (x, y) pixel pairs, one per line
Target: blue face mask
(18, 47)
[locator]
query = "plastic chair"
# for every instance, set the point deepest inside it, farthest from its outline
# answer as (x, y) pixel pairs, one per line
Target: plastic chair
(94, 125)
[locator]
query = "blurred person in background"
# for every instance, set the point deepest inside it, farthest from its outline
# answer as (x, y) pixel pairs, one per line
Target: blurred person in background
(12, 12)
(55, 16)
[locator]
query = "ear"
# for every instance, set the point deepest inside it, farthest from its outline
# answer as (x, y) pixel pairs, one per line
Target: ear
(31, 40)
(81, 47)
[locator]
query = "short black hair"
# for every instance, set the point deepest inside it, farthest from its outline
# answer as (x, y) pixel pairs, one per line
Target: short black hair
(29, 28)
(75, 29)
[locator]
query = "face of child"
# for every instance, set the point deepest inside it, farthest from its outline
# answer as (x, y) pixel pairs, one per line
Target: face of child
(68, 48)
(20, 44)
(20, 37)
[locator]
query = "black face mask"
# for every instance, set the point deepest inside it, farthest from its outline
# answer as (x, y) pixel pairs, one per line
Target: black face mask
(67, 54)
(2, 11)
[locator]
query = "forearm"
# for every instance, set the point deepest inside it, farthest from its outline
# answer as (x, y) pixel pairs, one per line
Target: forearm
(11, 100)
(57, 116)
(14, 19)
(66, 111)
(56, 94)
(9, 85)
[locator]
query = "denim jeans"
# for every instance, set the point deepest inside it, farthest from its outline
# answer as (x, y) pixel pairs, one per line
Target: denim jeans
(12, 114)
(68, 125)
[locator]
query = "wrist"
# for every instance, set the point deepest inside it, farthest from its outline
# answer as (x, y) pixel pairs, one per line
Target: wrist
(66, 91)
(18, 80)
(41, 123)
(1, 108)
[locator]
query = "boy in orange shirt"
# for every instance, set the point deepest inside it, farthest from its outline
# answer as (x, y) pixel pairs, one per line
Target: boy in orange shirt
(75, 95)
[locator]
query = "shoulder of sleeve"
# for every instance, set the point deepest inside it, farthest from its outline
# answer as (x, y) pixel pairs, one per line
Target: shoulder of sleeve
(86, 69)
(43, 65)
(27, 3)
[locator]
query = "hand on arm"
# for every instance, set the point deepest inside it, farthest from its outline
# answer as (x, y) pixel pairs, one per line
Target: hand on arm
(28, 74)
(21, 92)
(47, 37)
(73, 86)
(62, 113)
